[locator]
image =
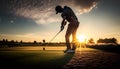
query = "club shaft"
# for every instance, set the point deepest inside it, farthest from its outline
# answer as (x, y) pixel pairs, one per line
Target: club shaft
(54, 36)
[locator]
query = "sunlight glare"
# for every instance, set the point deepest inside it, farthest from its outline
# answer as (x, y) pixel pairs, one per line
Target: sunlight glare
(82, 38)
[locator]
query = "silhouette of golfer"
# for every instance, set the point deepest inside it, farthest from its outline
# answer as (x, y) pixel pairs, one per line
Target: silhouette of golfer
(68, 16)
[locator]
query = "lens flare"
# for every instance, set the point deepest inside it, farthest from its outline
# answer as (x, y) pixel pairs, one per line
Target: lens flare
(82, 38)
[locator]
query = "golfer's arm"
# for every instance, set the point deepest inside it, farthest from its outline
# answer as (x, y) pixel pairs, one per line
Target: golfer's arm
(63, 22)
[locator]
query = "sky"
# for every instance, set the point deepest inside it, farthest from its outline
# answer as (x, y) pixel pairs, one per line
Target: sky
(35, 20)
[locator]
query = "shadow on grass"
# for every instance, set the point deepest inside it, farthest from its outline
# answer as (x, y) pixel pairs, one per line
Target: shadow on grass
(34, 59)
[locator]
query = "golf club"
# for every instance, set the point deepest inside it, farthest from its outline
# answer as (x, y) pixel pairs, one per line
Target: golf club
(51, 40)
(54, 37)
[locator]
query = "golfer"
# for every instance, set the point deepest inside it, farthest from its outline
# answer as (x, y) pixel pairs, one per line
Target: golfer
(68, 16)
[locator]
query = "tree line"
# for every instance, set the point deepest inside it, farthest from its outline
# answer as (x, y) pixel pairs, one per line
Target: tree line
(12, 43)
(106, 40)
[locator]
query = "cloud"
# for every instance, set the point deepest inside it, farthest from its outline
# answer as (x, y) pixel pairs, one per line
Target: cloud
(43, 11)
(86, 5)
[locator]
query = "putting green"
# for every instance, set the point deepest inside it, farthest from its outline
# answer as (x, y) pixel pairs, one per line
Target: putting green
(52, 59)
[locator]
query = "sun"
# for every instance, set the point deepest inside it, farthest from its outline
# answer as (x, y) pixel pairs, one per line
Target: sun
(82, 38)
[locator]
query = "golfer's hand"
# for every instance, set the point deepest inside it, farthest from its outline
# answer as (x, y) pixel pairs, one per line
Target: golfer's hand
(62, 27)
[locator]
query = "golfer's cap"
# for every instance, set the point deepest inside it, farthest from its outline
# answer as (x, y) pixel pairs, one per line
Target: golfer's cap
(58, 8)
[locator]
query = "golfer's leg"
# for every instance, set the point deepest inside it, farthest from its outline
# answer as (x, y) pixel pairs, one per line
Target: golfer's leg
(74, 38)
(67, 37)
(74, 35)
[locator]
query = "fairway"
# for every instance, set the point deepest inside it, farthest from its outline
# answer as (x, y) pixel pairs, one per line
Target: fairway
(34, 57)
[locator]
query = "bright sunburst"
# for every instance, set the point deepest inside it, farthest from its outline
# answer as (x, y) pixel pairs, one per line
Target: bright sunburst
(82, 38)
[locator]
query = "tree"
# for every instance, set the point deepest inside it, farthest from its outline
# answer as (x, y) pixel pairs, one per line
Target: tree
(43, 41)
(91, 40)
(21, 41)
(107, 40)
(114, 40)
(35, 42)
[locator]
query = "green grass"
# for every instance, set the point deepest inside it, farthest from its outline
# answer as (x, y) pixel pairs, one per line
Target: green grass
(52, 59)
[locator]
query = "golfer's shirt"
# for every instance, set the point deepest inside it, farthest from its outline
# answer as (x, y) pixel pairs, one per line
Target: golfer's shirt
(69, 15)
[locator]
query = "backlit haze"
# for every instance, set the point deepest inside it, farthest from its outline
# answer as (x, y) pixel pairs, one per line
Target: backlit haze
(30, 20)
